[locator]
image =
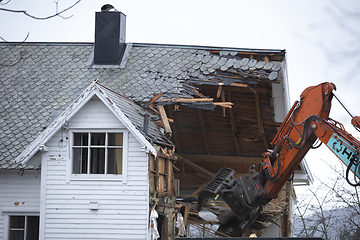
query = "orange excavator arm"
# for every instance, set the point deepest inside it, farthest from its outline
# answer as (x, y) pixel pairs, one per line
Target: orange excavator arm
(307, 121)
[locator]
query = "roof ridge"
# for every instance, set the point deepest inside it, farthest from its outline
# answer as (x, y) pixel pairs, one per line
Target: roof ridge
(199, 47)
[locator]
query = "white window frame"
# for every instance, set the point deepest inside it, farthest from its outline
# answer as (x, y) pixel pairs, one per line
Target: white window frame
(97, 177)
(7, 221)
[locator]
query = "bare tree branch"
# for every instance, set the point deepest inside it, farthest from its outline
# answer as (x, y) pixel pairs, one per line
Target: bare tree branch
(57, 14)
(22, 55)
(4, 3)
(27, 36)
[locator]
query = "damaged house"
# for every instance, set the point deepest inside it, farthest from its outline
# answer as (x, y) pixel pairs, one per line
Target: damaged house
(94, 136)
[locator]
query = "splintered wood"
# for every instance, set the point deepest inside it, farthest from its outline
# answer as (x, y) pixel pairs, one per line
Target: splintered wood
(270, 214)
(161, 175)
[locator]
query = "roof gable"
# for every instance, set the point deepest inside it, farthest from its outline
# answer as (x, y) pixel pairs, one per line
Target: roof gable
(115, 102)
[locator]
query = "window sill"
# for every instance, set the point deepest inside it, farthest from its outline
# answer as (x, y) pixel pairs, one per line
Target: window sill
(96, 177)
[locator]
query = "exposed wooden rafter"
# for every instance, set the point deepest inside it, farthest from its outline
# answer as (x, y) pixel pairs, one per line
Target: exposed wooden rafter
(175, 131)
(203, 130)
(234, 127)
(223, 100)
(261, 129)
(266, 58)
(195, 166)
(218, 94)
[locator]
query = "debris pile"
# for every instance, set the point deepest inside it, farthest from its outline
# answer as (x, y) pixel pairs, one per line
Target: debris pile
(217, 220)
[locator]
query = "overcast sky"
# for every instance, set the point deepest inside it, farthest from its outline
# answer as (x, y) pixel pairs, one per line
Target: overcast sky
(321, 38)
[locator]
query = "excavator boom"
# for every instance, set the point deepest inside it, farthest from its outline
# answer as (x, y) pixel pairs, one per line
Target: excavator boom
(307, 121)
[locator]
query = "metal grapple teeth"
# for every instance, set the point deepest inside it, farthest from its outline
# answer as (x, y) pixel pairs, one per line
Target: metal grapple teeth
(221, 179)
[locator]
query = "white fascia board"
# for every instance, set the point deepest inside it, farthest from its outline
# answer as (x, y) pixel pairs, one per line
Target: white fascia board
(280, 95)
(281, 101)
(305, 167)
(301, 179)
(128, 124)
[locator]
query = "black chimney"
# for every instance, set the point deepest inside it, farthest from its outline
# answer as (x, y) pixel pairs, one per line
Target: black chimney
(109, 36)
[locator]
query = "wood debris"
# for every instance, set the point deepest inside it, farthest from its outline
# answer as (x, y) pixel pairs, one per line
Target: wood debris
(270, 214)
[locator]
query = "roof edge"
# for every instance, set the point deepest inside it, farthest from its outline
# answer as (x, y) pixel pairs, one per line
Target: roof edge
(198, 47)
(201, 47)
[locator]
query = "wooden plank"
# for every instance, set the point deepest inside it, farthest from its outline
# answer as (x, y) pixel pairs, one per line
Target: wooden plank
(219, 90)
(196, 167)
(199, 189)
(223, 100)
(170, 177)
(232, 115)
(175, 130)
(266, 58)
(224, 104)
(238, 85)
(165, 227)
(156, 98)
(165, 120)
(160, 168)
(152, 188)
(203, 130)
(186, 214)
(188, 100)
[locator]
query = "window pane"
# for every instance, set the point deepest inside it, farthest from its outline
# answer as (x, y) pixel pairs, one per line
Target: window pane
(115, 139)
(32, 230)
(114, 161)
(98, 139)
(16, 235)
(97, 160)
(17, 222)
(81, 139)
(80, 156)
(17, 227)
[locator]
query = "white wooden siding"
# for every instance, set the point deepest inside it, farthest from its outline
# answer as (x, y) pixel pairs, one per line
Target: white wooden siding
(123, 207)
(95, 115)
(18, 194)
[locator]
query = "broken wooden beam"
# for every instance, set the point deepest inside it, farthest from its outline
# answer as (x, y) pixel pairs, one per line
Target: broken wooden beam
(187, 100)
(199, 189)
(174, 128)
(165, 120)
(219, 90)
(224, 104)
(238, 85)
(195, 166)
(155, 98)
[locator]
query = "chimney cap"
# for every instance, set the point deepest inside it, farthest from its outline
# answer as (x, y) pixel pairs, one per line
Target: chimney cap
(108, 8)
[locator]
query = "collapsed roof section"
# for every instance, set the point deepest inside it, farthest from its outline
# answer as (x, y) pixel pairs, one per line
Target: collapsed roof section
(220, 68)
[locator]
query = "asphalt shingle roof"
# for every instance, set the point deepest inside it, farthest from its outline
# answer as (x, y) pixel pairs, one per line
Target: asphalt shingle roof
(39, 78)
